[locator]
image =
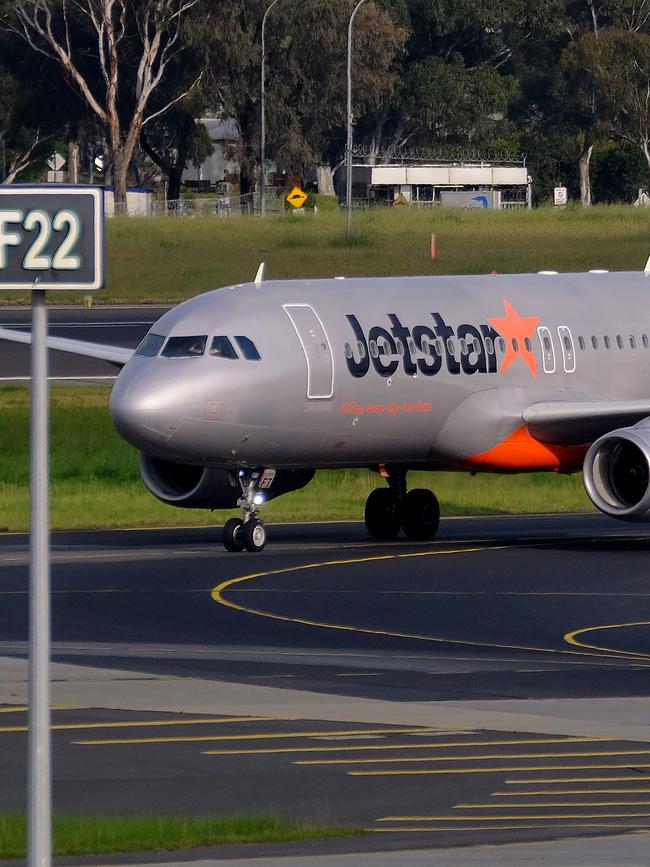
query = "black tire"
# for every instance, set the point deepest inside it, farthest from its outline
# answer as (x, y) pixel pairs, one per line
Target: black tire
(420, 515)
(383, 517)
(232, 535)
(253, 535)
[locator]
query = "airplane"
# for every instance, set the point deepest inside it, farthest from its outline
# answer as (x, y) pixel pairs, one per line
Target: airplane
(238, 395)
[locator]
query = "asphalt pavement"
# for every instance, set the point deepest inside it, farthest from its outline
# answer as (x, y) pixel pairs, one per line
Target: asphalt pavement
(489, 688)
(118, 326)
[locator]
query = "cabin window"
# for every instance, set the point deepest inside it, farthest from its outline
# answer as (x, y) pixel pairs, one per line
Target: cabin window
(619, 341)
(248, 348)
(374, 349)
(489, 346)
(632, 340)
(528, 344)
(451, 348)
(222, 347)
(437, 346)
(361, 348)
(606, 342)
(347, 350)
(151, 345)
(594, 341)
(547, 344)
(400, 346)
(502, 344)
(581, 342)
(515, 344)
(644, 340)
(411, 345)
(463, 346)
(186, 347)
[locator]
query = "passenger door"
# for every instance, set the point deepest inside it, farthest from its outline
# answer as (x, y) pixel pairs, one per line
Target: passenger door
(317, 349)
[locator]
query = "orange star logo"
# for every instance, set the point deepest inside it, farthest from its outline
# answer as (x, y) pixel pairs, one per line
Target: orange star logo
(516, 330)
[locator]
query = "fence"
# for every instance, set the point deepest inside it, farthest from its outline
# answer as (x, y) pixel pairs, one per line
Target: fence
(205, 206)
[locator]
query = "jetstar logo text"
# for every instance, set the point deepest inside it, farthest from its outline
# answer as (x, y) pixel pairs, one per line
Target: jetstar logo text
(425, 349)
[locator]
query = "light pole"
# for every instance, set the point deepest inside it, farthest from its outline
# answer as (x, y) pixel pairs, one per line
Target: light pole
(263, 109)
(348, 148)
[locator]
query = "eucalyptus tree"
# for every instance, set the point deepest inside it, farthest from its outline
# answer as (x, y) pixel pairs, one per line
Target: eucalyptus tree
(116, 54)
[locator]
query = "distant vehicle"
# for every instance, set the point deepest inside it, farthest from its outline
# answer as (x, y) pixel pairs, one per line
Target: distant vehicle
(238, 395)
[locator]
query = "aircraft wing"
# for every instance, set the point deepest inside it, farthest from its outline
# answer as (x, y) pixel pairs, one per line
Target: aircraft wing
(578, 422)
(117, 355)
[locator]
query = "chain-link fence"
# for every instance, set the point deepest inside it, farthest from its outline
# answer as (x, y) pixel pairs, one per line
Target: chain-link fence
(225, 205)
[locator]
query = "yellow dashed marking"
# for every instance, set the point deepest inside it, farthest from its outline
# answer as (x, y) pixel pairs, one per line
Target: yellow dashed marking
(455, 828)
(529, 768)
(513, 818)
(421, 746)
(477, 758)
(537, 805)
(571, 792)
(124, 724)
(256, 736)
(637, 778)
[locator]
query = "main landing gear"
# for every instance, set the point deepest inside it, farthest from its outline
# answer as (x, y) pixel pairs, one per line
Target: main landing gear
(390, 509)
(248, 532)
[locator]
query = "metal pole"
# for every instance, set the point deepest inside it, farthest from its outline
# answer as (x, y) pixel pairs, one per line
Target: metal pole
(263, 109)
(39, 844)
(348, 148)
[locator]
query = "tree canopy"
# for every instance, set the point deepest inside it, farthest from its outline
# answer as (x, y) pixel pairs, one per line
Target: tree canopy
(563, 81)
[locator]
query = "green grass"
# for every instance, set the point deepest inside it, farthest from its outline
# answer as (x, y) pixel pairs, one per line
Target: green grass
(167, 259)
(88, 835)
(95, 479)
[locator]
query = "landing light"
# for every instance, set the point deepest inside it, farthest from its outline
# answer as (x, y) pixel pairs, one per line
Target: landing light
(258, 499)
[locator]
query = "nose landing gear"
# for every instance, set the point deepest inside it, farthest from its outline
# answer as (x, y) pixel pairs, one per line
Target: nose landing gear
(389, 509)
(248, 533)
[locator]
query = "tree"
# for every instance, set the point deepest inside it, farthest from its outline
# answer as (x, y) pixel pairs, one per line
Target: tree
(584, 109)
(306, 65)
(133, 43)
(21, 139)
(622, 66)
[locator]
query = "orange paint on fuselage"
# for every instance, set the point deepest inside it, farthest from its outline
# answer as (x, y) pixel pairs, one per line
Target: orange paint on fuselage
(521, 452)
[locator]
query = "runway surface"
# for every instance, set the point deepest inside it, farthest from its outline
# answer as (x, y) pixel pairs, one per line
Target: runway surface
(499, 613)
(118, 326)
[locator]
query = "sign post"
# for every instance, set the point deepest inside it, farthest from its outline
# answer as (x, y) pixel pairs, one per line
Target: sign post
(50, 238)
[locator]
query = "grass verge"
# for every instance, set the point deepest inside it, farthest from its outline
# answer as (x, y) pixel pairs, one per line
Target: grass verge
(96, 483)
(89, 835)
(168, 259)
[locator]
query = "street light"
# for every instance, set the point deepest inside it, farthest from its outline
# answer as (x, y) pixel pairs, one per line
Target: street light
(348, 149)
(263, 123)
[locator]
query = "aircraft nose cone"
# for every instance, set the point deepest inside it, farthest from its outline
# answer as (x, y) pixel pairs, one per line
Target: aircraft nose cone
(143, 409)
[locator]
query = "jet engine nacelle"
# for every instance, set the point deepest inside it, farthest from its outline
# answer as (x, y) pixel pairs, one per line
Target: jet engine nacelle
(616, 473)
(192, 487)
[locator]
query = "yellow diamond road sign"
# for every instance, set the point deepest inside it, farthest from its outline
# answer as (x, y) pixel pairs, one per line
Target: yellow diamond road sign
(297, 197)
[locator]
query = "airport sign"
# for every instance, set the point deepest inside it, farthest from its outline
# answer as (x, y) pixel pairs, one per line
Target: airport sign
(51, 237)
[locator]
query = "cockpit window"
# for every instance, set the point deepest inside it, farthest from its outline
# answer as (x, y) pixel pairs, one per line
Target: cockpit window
(150, 345)
(248, 348)
(185, 347)
(222, 348)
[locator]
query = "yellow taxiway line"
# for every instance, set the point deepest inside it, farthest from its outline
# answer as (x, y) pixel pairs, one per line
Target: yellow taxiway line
(257, 736)
(529, 768)
(126, 724)
(410, 746)
(477, 758)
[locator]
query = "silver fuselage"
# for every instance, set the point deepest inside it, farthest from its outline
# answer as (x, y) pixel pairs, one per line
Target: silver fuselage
(360, 372)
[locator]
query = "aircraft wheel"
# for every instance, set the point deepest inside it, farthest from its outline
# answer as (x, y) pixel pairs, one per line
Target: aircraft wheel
(383, 518)
(420, 515)
(232, 535)
(253, 535)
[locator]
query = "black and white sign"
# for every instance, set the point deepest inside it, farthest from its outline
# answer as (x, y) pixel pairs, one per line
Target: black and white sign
(51, 235)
